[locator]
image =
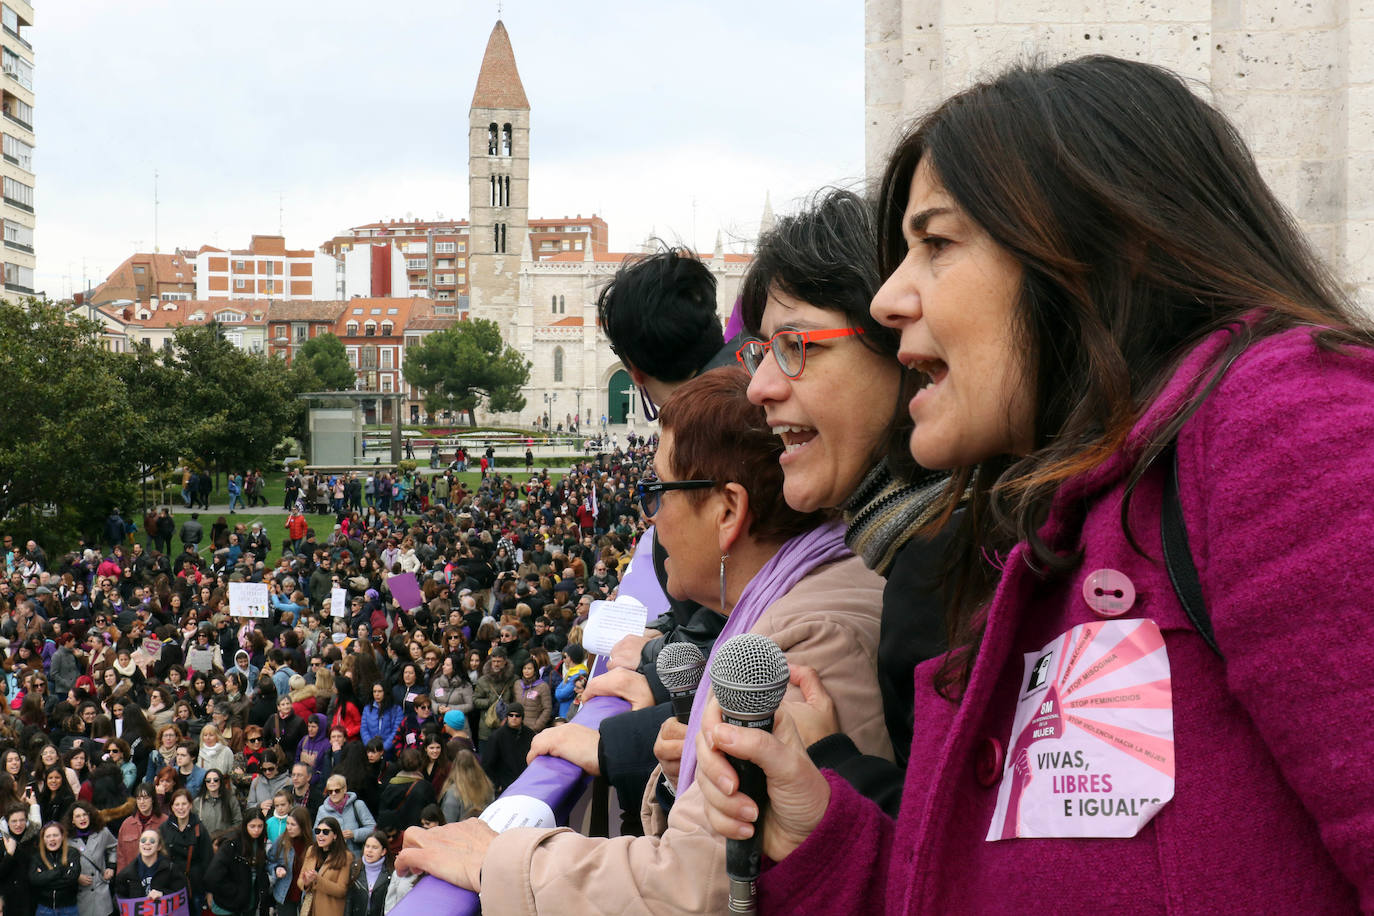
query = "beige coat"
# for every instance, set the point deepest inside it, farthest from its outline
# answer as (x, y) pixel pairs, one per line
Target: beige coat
(828, 621)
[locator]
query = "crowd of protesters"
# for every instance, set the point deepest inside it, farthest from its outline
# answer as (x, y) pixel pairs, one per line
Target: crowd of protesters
(151, 741)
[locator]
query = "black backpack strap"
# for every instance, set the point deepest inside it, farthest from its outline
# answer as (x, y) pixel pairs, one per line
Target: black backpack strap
(1178, 557)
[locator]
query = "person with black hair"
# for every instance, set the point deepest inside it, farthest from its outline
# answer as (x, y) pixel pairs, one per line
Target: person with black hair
(18, 848)
(92, 841)
(236, 881)
(326, 872)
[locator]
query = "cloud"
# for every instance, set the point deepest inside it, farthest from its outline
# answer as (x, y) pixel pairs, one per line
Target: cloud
(353, 112)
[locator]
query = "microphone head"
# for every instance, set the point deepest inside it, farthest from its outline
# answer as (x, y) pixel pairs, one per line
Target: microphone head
(680, 666)
(749, 676)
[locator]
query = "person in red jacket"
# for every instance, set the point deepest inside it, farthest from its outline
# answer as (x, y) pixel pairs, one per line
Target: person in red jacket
(346, 715)
(296, 527)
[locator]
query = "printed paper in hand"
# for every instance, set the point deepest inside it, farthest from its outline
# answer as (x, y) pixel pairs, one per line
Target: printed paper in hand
(609, 621)
(338, 602)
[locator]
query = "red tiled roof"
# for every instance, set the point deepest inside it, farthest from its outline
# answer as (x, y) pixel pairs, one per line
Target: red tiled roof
(159, 270)
(254, 312)
(498, 82)
(305, 310)
(399, 321)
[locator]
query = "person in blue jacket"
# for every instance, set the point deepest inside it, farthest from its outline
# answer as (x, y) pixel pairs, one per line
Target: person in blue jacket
(381, 718)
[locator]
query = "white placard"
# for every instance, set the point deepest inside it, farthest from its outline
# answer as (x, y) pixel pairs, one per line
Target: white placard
(610, 621)
(248, 599)
(510, 811)
(338, 602)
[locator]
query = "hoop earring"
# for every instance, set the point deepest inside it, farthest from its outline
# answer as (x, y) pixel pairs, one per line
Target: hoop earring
(723, 558)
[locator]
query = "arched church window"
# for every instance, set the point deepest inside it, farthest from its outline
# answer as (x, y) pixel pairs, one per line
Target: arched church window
(491, 139)
(505, 139)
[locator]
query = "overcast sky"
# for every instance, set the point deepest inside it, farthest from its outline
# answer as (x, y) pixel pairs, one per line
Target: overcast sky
(352, 111)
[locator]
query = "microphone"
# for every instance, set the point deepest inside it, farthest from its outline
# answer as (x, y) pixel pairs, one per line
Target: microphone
(680, 666)
(749, 676)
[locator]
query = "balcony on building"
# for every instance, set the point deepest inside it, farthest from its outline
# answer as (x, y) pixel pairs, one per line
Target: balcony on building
(16, 109)
(16, 18)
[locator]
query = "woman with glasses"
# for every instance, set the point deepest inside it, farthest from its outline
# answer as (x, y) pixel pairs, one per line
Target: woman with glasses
(286, 860)
(327, 870)
(356, 822)
(734, 546)
(1156, 403)
(147, 815)
(236, 881)
(149, 873)
(217, 806)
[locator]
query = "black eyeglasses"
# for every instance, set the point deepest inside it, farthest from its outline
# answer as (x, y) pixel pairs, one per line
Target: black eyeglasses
(323, 831)
(650, 492)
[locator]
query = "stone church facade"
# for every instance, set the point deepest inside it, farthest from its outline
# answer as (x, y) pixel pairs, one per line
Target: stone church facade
(1297, 78)
(546, 306)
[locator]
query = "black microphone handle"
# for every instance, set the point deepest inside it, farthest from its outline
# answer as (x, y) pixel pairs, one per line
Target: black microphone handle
(742, 857)
(682, 705)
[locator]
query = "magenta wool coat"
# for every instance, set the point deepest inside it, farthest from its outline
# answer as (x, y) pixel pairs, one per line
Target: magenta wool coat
(1273, 807)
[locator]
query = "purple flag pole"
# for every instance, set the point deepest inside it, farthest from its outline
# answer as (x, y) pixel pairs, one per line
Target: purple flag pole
(556, 782)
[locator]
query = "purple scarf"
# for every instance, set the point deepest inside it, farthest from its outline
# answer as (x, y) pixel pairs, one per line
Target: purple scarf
(794, 561)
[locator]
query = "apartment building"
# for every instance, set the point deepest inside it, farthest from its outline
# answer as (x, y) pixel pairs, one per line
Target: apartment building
(266, 269)
(16, 167)
(292, 323)
(435, 253)
(143, 277)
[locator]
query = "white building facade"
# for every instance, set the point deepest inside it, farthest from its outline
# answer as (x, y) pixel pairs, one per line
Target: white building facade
(1296, 78)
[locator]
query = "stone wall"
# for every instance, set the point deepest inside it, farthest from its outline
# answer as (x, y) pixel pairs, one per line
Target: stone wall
(1296, 76)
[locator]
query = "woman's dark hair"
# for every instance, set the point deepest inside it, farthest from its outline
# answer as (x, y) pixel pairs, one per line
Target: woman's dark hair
(142, 789)
(253, 849)
(338, 850)
(718, 435)
(136, 725)
(826, 255)
(351, 764)
(1141, 225)
(659, 311)
(97, 821)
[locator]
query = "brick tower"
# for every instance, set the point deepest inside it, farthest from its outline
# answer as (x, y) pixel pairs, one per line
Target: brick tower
(498, 184)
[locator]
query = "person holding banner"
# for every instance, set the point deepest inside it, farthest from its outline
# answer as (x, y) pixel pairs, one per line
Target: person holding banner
(150, 876)
(734, 545)
(55, 874)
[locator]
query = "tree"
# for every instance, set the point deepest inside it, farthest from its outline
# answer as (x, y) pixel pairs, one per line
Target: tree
(245, 403)
(324, 355)
(63, 423)
(157, 433)
(465, 365)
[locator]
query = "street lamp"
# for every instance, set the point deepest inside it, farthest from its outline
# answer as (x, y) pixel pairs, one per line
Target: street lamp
(549, 401)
